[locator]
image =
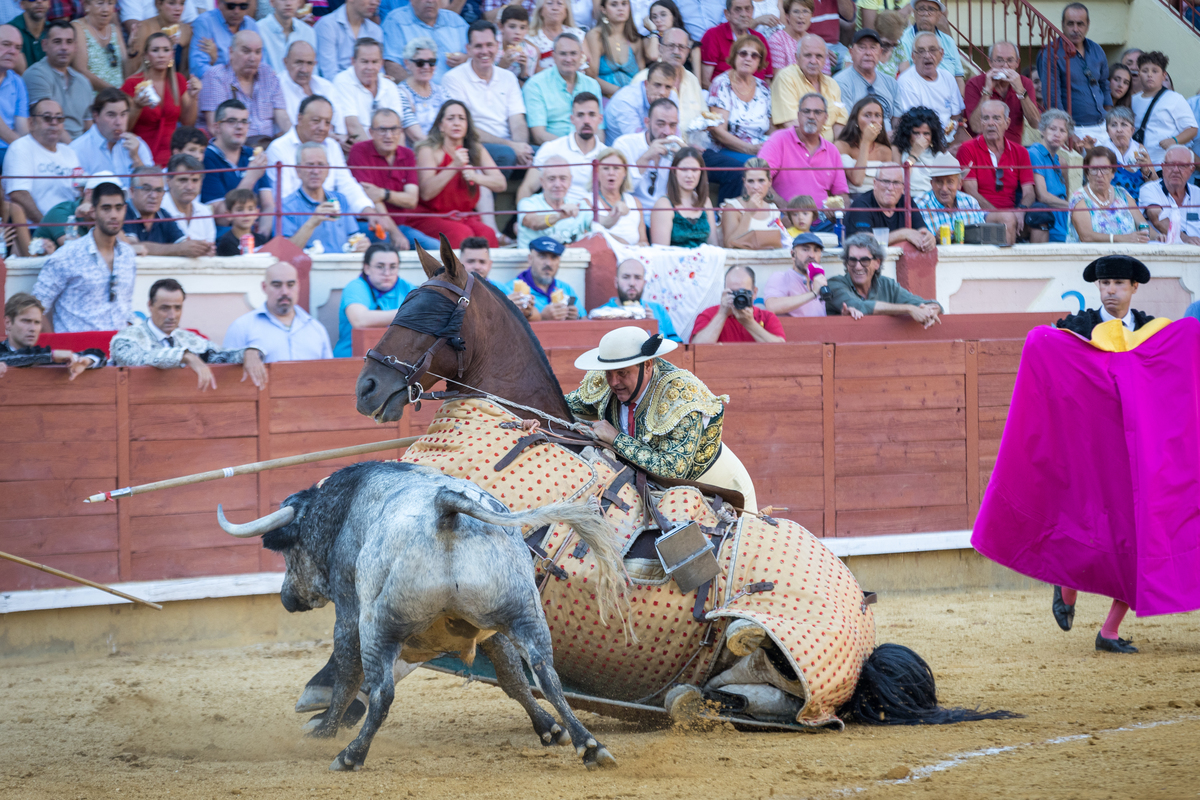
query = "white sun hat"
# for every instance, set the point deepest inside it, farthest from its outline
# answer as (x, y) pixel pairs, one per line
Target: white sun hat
(625, 347)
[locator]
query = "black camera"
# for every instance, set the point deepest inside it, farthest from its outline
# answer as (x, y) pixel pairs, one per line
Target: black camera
(742, 298)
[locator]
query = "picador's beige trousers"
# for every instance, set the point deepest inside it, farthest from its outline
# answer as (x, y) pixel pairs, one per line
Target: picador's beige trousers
(727, 472)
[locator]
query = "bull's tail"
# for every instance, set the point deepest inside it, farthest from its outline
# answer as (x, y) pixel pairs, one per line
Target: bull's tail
(593, 529)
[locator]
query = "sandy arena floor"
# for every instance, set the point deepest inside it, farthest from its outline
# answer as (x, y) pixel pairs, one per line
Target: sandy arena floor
(218, 724)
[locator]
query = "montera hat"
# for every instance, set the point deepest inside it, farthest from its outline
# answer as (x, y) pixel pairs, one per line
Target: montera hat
(625, 347)
(1116, 268)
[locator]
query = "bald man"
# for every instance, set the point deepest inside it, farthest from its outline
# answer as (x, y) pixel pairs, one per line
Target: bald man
(248, 79)
(213, 33)
(278, 329)
(299, 80)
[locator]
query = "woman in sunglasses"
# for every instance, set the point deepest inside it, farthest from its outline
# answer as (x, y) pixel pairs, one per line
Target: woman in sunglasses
(424, 97)
(101, 59)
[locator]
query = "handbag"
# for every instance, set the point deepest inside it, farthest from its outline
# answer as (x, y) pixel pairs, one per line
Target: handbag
(1139, 135)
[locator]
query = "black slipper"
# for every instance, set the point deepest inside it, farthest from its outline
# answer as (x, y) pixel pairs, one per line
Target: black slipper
(1117, 645)
(1064, 614)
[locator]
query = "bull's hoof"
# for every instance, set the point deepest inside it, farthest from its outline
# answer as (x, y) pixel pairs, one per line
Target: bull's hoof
(597, 757)
(343, 763)
(314, 698)
(556, 736)
(316, 728)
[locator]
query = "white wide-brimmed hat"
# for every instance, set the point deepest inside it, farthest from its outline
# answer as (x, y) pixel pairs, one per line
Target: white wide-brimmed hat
(624, 347)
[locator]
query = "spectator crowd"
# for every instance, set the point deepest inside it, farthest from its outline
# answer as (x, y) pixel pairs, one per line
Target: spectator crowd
(206, 128)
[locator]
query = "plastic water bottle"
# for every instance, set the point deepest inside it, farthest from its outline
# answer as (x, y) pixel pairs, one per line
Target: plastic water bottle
(72, 231)
(839, 227)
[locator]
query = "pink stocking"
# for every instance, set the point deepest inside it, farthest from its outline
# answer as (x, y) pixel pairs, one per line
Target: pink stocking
(1113, 623)
(1069, 595)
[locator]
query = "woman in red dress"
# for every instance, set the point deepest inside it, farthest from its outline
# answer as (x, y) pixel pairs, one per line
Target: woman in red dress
(177, 98)
(444, 188)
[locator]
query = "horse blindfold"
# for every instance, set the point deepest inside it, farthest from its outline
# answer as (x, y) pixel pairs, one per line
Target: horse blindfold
(432, 313)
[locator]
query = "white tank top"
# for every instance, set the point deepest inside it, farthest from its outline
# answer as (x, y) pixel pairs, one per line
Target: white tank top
(626, 227)
(757, 224)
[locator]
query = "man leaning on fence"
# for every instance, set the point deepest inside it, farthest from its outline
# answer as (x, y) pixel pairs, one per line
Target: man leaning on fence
(279, 329)
(863, 290)
(160, 342)
(22, 326)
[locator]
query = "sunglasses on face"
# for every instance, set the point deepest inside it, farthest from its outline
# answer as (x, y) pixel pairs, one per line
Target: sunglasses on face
(51, 119)
(854, 262)
(424, 62)
(238, 6)
(747, 54)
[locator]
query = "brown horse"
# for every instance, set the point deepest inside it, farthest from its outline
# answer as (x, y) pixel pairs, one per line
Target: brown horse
(470, 334)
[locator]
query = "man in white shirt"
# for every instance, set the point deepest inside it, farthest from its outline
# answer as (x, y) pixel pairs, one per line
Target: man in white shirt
(280, 30)
(364, 89)
(649, 153)
(1171, 121)
(626, 109)
(493, 96)
(300, 81)
(927, 84)
(1173, 203)
(183, 187)
(578, 149)
(41, 152)
(313, 125)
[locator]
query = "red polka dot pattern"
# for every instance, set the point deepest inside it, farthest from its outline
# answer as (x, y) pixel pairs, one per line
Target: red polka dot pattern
(815, 612)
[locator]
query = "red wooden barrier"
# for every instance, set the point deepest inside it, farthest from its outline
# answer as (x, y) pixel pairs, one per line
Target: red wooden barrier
(854, 438)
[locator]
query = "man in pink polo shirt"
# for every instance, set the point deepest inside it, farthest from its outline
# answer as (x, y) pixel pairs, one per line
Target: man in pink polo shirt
(802, 146)
(999, 173)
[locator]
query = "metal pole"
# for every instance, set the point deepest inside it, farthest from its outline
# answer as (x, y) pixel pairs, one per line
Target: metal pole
(279, 198)
(595, 191)
(907, 167)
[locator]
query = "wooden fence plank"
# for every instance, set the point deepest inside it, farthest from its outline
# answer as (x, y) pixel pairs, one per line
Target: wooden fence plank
(757, 360)
(48, 386)
(124, 475)
(263, 484)
(996, 390)
(888, 458)
(185, 531)
(783, 425)
(865, 492)
(333, 413)
(881, 522)
(991, 421)
(148, 385)
(33, 461)
(156, 461)
(240, 493)
(774, 395)
(290, 444)
(899, 359)
(233, 559)
(48, 536)
(972, 409)
(879, 394)
(828, 438)
(100, 567)
(901, 426)
(315, 378)
(59, 423)
(56, 498)
(1000, 356)
(193, 421)
(801, 493)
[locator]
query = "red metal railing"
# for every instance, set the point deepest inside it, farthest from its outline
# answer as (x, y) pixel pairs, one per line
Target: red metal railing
(977, 22)
(1176, 9)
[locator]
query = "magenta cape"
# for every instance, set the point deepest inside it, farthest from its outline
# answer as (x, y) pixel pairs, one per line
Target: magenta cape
(1097, 482)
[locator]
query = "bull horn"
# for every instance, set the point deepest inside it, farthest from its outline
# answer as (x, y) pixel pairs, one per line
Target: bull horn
(248, 530)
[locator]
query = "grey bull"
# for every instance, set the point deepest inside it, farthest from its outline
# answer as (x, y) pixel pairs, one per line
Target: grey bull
(418, 564)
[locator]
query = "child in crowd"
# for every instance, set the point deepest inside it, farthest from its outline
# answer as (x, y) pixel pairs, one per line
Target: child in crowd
(798, 214)
(190, 141)
(244, 204)
(518, 56)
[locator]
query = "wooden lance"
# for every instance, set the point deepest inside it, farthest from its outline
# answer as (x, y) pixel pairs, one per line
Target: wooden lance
(257, 466)
(77, 579)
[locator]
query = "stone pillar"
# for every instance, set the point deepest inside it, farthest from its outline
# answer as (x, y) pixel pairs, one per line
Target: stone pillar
(917, 271)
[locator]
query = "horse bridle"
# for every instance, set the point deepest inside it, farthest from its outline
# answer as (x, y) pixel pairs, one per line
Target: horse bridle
(449, 334)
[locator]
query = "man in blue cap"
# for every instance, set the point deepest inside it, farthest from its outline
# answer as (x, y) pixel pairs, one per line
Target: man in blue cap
(797, 292)
(536, 291)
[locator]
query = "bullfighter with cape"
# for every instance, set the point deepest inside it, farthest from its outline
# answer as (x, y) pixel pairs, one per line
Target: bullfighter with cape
(1097, 482)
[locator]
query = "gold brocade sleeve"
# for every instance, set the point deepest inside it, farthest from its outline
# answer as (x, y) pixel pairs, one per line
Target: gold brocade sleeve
(579, 408)
(675, 454)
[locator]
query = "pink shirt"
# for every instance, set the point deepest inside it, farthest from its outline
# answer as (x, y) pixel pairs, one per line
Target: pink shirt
(789, 283)
(784, 150)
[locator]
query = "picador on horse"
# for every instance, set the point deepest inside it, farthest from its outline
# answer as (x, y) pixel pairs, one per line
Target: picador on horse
(753, 617)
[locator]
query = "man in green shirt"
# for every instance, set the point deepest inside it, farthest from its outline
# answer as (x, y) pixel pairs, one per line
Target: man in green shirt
(32, 24)
(862, 290)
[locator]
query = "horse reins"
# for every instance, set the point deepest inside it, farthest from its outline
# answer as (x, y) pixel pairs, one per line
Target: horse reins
(449, 333)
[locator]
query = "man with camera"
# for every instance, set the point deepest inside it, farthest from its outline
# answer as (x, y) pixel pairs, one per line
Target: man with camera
(800, 291)
(737, 319)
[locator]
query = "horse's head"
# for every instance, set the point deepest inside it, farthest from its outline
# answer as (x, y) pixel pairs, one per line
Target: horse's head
(427, 336)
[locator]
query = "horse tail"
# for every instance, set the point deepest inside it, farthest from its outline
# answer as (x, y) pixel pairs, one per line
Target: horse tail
(594, 530)
(896, 687)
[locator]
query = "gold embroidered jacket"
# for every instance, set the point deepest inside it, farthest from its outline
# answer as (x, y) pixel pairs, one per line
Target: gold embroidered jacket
(677, 426)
